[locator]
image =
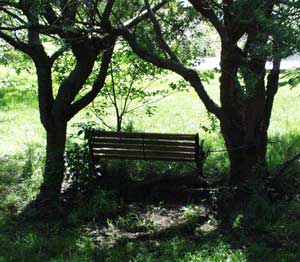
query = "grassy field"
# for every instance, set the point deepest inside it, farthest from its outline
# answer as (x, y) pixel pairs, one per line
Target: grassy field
(87, 235)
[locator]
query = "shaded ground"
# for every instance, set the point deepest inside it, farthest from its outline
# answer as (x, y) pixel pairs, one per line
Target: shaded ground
(152, 222)
(102, 227)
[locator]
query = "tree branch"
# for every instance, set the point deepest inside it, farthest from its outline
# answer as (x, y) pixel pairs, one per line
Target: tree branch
(134, 74)
(188, 74)
(107, 12)
(12, 15)
(97, 85)
(206, 10)
(16, 43)
(58, 53)
(161, 41)
(50, 14)
(10, 3)
(272, 88)
(114, 98)
(45, 93)
(143, 15)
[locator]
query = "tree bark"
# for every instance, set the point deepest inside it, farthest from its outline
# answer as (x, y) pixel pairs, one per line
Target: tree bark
(54, 164)
(246, 146)
(247, 155)
(119, 124)
(243, 124)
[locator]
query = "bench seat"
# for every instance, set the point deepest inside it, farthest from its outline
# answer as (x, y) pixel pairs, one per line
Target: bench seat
(145, 146)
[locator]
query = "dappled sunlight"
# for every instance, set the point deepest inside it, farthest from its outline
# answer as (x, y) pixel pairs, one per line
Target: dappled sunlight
(202, 158)
(100, 225)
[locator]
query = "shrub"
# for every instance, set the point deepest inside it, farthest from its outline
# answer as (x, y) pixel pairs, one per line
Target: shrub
(79, 166)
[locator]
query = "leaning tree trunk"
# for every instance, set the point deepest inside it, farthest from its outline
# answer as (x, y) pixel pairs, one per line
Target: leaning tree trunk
(243, 124)
(245, 140)
(54, 164)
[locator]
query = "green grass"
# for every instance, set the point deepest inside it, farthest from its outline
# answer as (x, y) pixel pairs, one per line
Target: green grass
(19, 116)
(272, 236)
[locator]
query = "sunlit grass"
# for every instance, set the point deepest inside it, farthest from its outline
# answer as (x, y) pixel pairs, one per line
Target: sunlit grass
(182, 112)
(22, 140)
(286, 113)
(19, 116)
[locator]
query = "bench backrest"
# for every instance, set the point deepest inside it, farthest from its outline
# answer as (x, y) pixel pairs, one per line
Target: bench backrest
(143, 146)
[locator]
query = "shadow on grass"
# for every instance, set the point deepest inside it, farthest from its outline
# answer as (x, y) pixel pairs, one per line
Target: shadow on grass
(100, 226)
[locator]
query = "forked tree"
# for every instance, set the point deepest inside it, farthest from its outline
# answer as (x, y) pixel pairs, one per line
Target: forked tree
(251, 32)
(84, 27)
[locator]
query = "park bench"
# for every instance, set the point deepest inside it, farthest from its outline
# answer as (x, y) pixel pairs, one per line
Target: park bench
(145, 146)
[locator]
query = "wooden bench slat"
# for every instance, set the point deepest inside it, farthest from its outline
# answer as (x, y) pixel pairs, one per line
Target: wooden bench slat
(142, 135)
(144, 147)
(139, 157)
(143, 153)
(140, 142)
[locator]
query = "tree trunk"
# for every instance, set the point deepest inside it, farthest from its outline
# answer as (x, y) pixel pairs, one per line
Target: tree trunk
(54, 165)
(247, 158)
(245, 135)
(246, 147)
(119, 123)
(243, 124)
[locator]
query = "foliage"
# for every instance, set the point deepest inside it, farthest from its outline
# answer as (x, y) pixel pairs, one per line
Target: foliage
(20, 177)
(79, 167)
(192, 213)
(187, 34)
(18, 61)
(132, 222)
(291, 78)
(127, 90)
